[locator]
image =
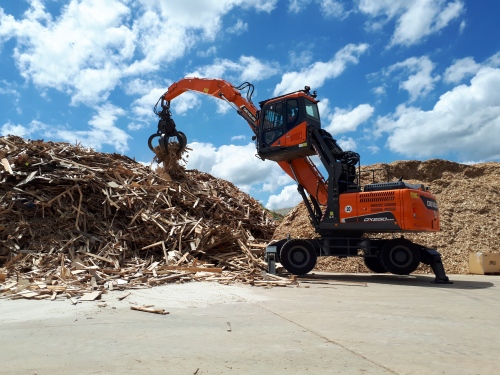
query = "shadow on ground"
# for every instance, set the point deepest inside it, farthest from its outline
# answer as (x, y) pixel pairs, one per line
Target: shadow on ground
(413, 280)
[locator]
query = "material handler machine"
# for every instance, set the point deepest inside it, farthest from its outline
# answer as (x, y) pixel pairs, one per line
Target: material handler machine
(287, 130)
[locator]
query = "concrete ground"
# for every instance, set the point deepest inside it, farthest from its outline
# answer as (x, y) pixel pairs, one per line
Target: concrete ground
(330, 324)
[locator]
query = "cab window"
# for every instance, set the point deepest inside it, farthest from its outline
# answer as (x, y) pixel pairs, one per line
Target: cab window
(273, 122)
(312, 109)
(273, 117)
(292, 112)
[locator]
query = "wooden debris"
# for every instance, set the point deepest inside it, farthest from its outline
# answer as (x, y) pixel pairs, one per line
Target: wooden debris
(146, 309)
(123, 297)
(76, 221)
(195, 269)
(91, 296)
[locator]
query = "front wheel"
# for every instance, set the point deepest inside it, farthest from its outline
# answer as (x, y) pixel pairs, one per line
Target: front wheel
(374, 265)
(298, 256)
(400, 256)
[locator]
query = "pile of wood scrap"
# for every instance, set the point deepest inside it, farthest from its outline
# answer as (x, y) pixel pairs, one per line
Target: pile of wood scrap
(75, 220)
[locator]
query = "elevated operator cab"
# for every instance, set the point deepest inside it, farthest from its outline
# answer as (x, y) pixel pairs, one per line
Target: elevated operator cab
(282, 132)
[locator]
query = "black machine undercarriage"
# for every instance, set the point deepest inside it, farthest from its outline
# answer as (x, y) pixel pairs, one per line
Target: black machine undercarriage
(397, 255)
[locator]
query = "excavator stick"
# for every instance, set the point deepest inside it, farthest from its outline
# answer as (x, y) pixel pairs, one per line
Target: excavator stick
(167, 130)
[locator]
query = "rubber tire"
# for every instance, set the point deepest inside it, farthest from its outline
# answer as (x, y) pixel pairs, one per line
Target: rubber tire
(400, 256)
(374, 265)
(298, 256)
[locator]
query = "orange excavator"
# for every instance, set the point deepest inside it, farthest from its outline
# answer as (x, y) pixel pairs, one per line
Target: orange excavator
(287, 130)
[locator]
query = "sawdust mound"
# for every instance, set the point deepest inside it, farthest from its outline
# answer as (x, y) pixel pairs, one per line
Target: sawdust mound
(468, 198)
(73, 215)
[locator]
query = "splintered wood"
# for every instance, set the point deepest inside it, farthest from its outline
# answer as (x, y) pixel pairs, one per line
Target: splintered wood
(75, 221)
(171, 161)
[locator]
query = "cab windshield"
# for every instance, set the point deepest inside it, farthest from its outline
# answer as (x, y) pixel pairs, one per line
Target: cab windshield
(312, 109)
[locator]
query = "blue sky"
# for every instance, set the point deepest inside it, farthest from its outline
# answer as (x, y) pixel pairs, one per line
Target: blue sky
(397, 79)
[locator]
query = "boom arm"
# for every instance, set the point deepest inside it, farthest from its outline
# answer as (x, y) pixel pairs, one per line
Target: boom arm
(220, 89)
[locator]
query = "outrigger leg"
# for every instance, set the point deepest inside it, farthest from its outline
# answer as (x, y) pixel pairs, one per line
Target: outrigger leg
(433, 258)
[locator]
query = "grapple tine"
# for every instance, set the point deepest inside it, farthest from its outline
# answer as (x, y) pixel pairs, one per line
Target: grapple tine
(167, 130)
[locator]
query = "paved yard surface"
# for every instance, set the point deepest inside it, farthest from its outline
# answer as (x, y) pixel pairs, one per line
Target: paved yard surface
(330, 324)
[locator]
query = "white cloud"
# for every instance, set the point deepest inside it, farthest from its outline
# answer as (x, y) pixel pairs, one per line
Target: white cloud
(239, 138)
(420, 80)
(415, 20)
(7, 88)
(300, 59)
(316, 74)
(461, 123)
(139, 86)
(332, 8)
(10, 89)
(380, 90)
(103, 130)
(209, 52)
(248, 68)
(296, 6)
(493, 61)
(347, 144)
(134, 126)
(328, 8)
(80, 52)
(175, 20)
(143, 106)
(460, 69)
(262, 5)
(88, 48)
(344, 120)
(288, 197)
(238, 28)
(16, 129)
(185, 103)
(237, 164)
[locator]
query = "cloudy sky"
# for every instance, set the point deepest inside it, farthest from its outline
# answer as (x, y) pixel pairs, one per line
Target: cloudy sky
(397, 79)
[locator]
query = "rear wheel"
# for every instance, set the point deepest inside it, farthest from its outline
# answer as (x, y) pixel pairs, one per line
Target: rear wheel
(400, 256)
(298, 256)
(374, 265)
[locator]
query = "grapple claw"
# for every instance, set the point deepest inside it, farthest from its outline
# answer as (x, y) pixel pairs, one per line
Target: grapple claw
(150, 140)
(163, 141)
(167, 130)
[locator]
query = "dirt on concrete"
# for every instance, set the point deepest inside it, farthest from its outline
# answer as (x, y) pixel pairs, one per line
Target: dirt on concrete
(468, 198)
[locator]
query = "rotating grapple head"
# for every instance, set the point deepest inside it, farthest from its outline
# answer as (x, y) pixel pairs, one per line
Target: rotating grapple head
(166, 129)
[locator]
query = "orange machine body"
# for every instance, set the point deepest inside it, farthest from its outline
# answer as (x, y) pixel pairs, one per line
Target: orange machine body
(410, 210)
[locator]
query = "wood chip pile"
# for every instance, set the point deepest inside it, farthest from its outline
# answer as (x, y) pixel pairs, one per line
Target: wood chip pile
(74, 220)
(468, 198)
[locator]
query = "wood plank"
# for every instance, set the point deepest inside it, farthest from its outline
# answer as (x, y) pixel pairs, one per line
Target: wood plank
(149, 310)
(193, 269)
(91, 296)
(99, 257)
